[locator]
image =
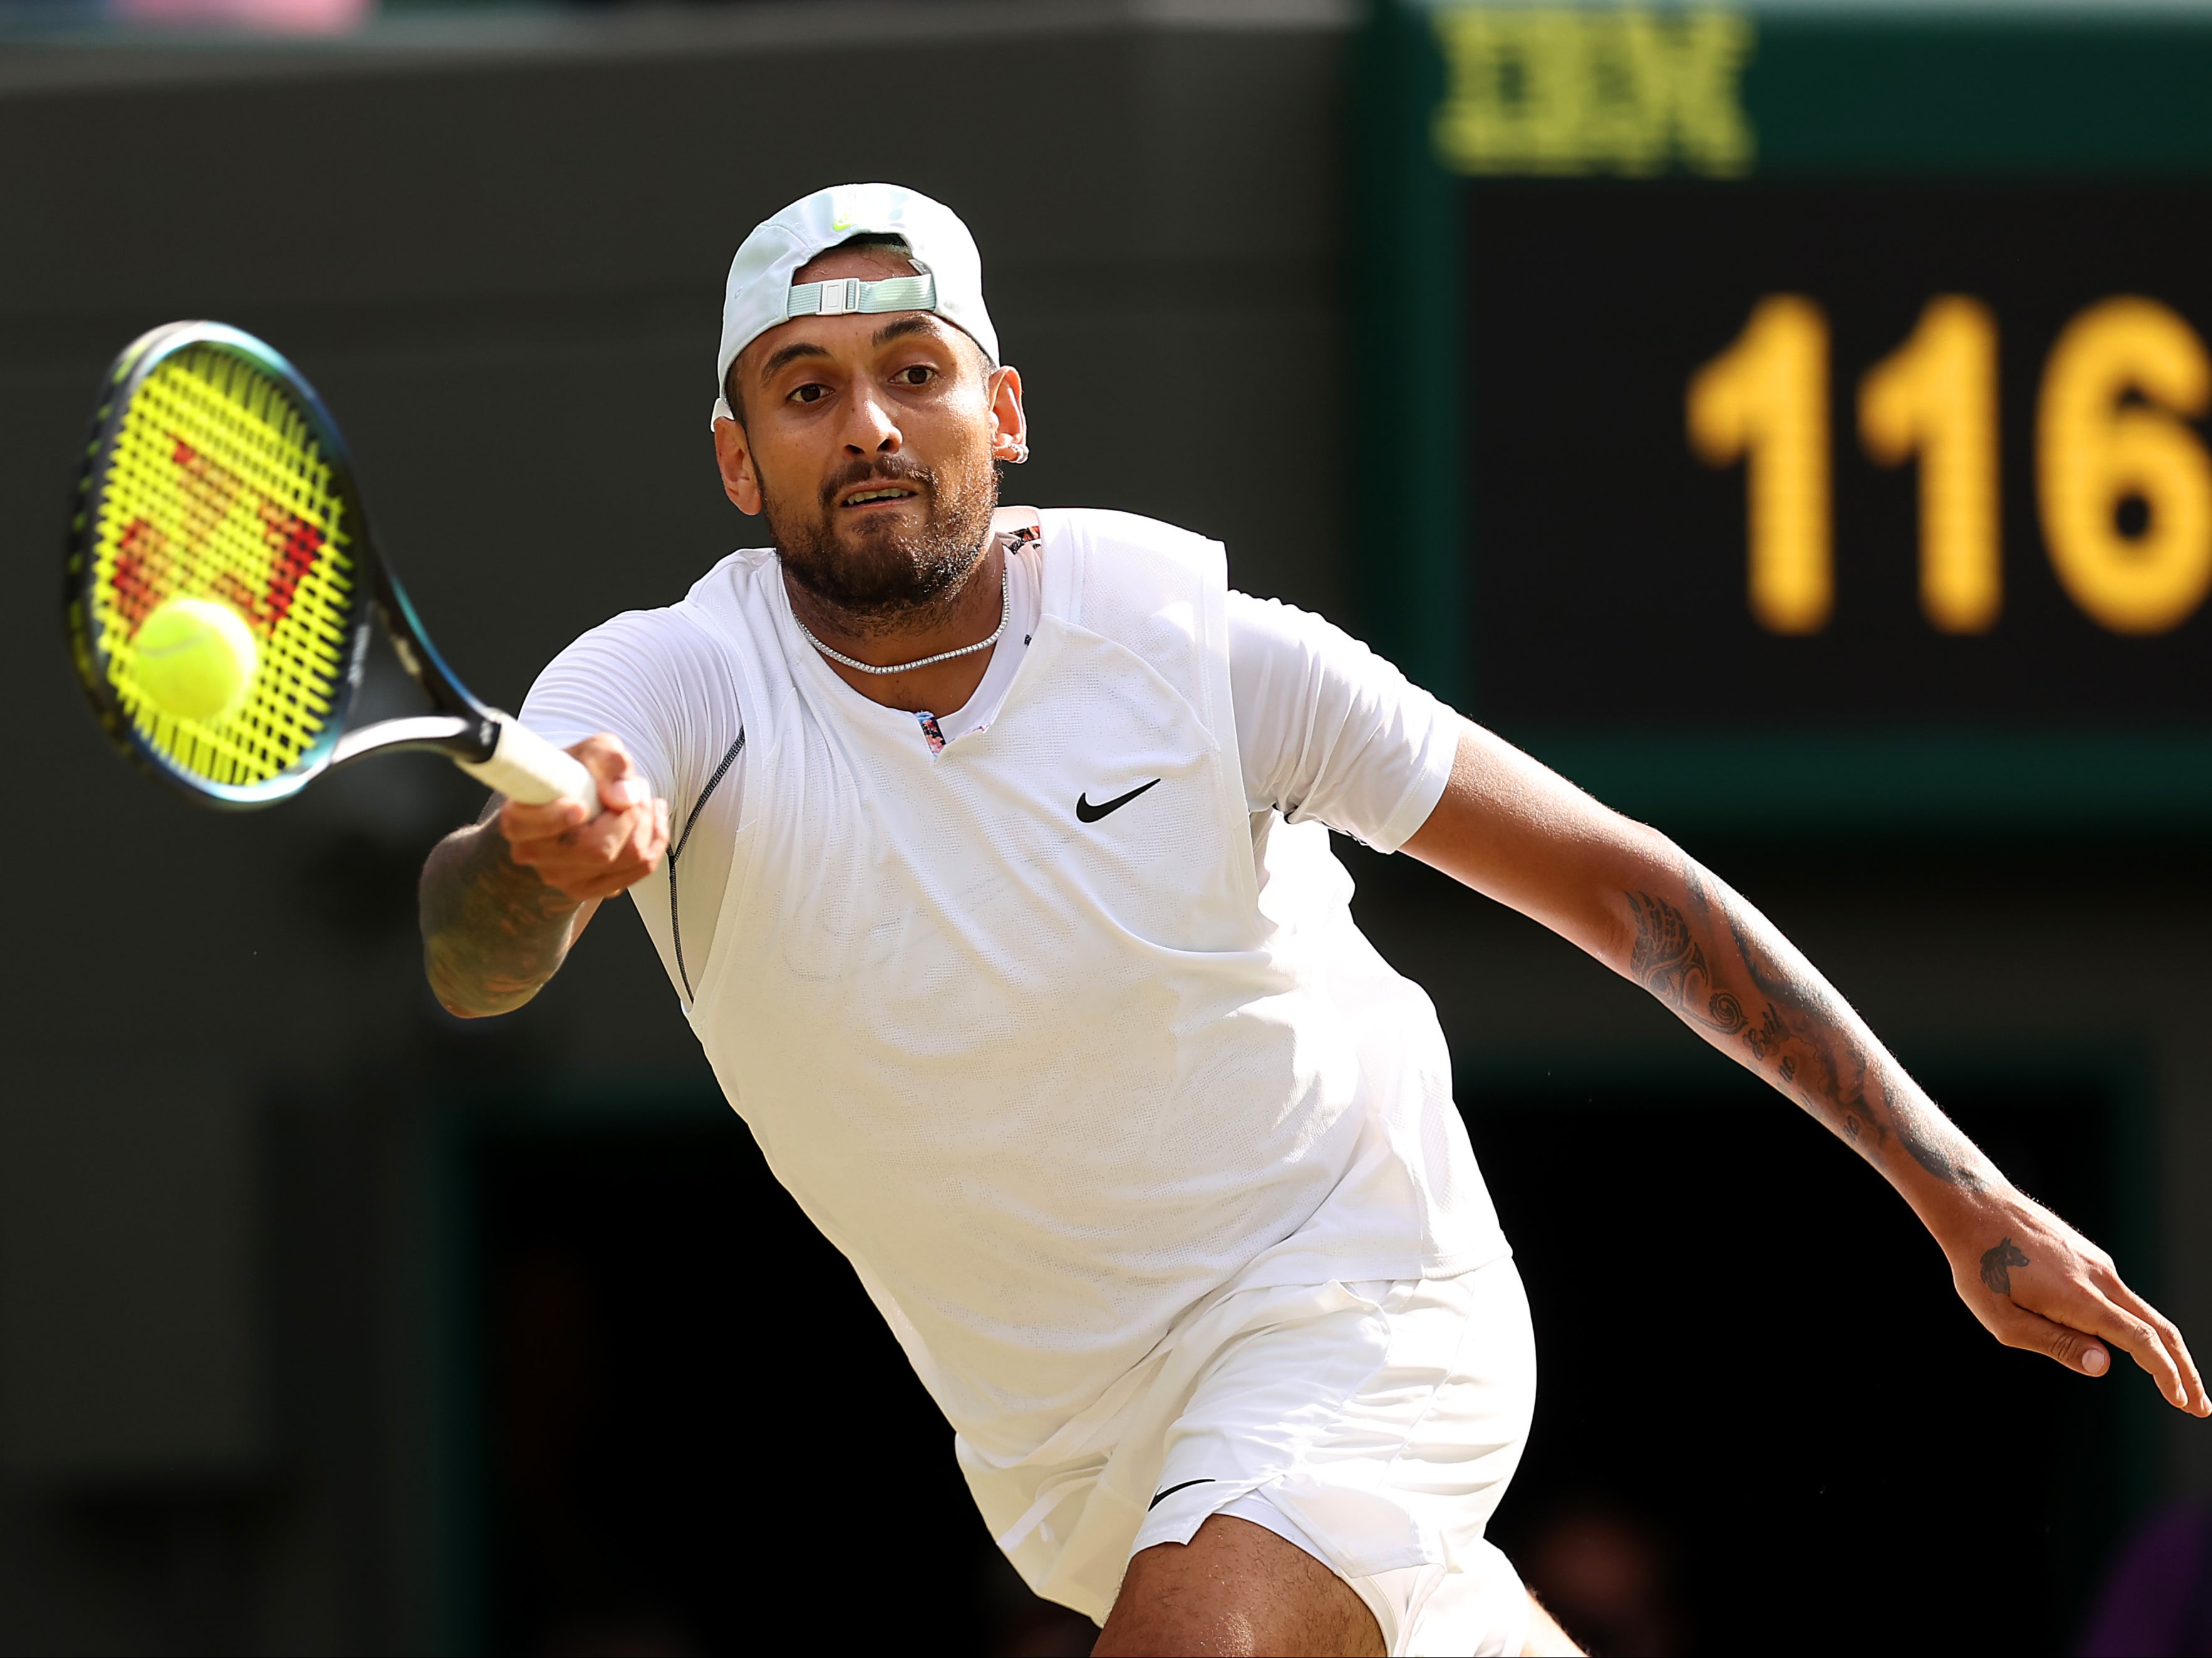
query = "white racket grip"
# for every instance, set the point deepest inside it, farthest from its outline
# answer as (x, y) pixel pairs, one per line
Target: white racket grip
(525, 766)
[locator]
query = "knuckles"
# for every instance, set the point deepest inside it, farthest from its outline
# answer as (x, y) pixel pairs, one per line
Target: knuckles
(600, 859)
(2067, 1346)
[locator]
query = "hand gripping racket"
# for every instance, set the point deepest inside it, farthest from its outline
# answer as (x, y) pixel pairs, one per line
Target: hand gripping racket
(214, 474)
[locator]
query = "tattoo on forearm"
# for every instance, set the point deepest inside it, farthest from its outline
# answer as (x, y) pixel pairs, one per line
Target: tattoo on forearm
(1667, 963)
(1997, 1265)
(1935, 1146)
(493, 932)
(1800, 1032)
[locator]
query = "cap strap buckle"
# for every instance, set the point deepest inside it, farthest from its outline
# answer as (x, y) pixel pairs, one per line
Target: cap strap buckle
(849, 296)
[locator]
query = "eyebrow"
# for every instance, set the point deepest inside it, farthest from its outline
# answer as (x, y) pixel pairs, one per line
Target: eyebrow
(789, 354)
(912, 324)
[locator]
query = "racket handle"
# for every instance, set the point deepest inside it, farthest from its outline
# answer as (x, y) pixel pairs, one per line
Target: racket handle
(525, 766)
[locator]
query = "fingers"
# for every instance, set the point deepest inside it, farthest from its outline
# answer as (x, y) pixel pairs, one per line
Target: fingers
(628, 842)
(601, 857)
(638, 852)
(2069, 1326)
(2169, 1335)
(2016, 1327)
(2143, 1344)
(519, 823)
(2046, 1288)
(621, 785)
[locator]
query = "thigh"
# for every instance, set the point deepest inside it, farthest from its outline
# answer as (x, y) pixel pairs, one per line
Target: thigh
(1386, 1431)
(1379, 1440)
(1236, 1587)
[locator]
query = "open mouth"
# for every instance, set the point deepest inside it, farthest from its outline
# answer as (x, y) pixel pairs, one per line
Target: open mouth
(875, 497)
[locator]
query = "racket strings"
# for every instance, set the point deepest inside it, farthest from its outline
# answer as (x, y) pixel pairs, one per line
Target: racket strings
(215, 487)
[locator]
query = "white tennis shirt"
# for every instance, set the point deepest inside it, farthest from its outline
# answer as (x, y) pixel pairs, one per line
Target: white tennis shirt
(1049, 1075)
(1328, 730)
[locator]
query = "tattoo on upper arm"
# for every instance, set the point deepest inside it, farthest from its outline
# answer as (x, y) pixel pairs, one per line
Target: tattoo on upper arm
(1997, 1265)
(1800, 1030)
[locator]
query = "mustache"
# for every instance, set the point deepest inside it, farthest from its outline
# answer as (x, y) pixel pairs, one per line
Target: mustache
(884, 469)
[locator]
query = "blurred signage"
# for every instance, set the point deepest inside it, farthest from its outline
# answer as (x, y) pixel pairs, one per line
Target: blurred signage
(1554, 91)
(1838, 453)
(1801, 376)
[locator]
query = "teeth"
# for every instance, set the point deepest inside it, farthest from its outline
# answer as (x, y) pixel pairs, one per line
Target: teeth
(877, 494)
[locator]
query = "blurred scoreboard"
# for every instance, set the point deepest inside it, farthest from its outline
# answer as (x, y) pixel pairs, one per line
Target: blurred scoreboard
(1799, 415)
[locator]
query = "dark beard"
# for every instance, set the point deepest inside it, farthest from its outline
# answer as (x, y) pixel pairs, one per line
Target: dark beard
(881, 579)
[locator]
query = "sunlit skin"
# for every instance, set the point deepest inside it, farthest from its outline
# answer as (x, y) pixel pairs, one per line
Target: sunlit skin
(840, 408)
(1517, 831)
(822, 396)
(825, 396)
(1237, 1587)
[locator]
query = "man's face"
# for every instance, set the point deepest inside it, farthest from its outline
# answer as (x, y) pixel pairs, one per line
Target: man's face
(868, 440)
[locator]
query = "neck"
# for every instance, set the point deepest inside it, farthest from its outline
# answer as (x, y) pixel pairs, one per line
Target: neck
(968, 615)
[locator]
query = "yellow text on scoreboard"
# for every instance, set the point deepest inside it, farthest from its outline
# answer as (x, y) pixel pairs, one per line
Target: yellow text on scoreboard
(2122, 482)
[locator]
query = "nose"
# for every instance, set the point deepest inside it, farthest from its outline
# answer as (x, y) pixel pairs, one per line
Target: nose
(870, 429)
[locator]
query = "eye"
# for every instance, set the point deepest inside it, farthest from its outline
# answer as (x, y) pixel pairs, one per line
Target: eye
(812, 391)
(920, 373)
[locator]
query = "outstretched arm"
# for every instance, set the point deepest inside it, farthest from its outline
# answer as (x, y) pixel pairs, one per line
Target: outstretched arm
(1513, 830)
(503, 900)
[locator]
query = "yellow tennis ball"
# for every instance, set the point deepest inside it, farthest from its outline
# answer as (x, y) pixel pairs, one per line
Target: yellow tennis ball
(194, 659)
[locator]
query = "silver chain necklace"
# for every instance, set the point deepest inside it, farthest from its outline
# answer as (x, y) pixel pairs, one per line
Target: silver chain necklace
(1006, 615)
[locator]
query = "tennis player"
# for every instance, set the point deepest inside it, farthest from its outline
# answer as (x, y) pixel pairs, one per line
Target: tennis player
(1000, 897)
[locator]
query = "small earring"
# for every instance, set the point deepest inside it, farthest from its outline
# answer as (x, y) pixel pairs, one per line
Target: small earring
(1016, 453)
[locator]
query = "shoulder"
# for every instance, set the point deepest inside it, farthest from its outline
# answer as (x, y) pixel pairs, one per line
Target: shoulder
(730, 575)
(1104, 528)
(648, 665)
(668, 636)
(637, 645)
(1270, 624)
(662, 680)
(1100, 565)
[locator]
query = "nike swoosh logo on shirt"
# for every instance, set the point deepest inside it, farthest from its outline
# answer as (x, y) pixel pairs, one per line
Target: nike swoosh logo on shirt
(1172, 1490)
(1087, 813)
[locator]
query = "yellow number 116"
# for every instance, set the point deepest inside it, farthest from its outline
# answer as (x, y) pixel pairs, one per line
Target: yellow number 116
(2120, 382)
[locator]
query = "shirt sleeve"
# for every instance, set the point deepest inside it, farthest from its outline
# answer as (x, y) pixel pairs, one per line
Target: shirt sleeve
(611, 680)
(1329, 729)
(643, 678)
(655, 680)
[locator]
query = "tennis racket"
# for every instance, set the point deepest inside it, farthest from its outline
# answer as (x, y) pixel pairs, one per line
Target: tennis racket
(215, 475)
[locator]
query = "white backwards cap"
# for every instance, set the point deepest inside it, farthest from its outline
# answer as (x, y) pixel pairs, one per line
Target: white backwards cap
(761, 295)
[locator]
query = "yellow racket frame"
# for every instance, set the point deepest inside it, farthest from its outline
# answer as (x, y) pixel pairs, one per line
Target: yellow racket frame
(213, 471)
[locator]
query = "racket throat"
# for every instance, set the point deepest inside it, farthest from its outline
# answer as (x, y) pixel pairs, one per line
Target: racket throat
(468, 739)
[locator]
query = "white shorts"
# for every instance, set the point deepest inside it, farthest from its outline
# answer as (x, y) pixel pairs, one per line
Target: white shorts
(1373, 1424)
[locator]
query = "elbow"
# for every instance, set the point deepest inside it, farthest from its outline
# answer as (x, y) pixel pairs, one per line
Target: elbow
(466, 999)
(446, 992)
(463, 1006)
(1651, 861)
(1632, 890)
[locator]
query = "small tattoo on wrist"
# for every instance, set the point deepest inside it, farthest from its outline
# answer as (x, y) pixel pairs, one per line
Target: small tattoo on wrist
(1997, 1265)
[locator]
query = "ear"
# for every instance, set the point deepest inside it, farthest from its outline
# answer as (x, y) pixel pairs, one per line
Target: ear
(1010, 436)
(733, 457)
